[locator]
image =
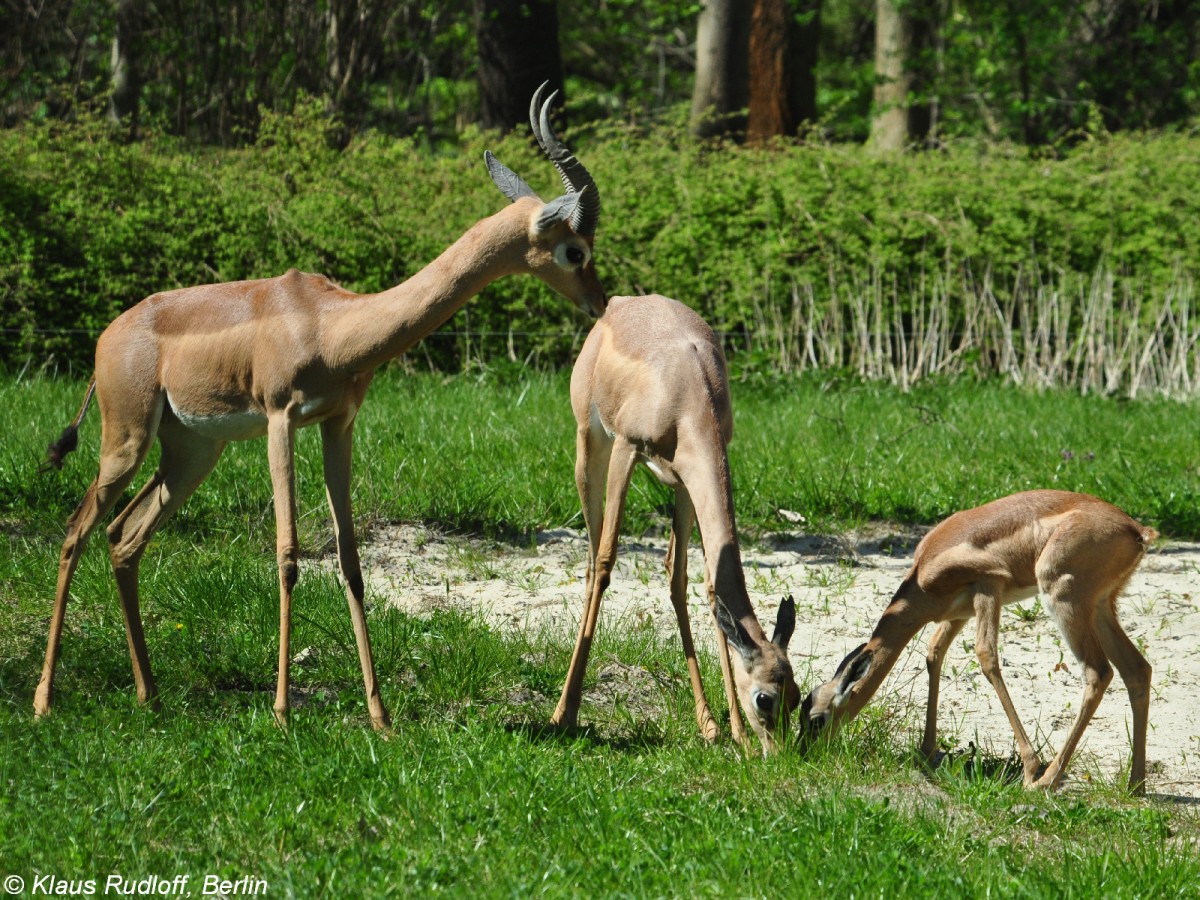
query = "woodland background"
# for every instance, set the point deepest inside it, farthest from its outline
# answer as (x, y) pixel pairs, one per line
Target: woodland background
(1033, 71)
(901, 187)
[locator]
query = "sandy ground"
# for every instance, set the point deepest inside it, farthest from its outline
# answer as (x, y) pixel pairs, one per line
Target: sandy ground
(841, 585)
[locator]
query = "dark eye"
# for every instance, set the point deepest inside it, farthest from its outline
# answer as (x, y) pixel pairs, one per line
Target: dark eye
(764, 703)
(574, 255)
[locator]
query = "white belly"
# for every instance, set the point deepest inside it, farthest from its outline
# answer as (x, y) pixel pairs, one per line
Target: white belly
(238, 425)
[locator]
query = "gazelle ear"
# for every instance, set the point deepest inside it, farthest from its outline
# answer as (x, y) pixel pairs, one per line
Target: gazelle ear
(738, 637)
(785, 623)
(510, 183)
(848, 658)
(853, 669)
(560, 209)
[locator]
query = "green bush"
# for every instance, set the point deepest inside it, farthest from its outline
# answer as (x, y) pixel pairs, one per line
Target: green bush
(89, 226)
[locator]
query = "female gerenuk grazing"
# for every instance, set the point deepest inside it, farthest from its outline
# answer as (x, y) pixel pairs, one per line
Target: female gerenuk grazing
(650, 386)
(203, 366)
(1077, 551)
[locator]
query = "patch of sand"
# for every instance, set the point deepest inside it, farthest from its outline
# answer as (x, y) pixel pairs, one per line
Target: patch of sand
(841, 585)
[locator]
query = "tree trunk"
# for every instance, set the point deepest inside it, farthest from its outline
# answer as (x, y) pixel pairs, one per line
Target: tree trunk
(352, 52)
(124, 102)
(893, 39)
(783, 54)
(721, 89)
(904, 29)
(518, 50)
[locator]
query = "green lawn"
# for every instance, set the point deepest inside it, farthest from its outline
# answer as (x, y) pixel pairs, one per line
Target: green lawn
(470, 795)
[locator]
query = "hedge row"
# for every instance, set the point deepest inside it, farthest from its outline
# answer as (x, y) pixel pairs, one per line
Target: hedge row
(88, 225)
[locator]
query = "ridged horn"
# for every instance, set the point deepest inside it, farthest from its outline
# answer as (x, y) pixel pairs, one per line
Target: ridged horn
(575, 178)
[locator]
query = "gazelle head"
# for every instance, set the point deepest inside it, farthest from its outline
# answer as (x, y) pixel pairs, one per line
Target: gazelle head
(561, 232)
(831, 703)
(765, 684)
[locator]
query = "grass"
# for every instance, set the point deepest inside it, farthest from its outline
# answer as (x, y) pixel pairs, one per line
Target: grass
(494, 452)
(470, 794)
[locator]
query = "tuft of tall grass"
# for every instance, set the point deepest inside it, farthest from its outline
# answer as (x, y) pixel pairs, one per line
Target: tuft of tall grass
(1048, 328)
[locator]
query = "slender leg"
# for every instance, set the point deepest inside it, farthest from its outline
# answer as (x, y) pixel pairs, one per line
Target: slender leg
(592, 454)
(100, 498)
(186, 461)
(1135, 672)
(337, 438)
(681, 532)
(280, 448)
(737, 729)
(620, 470)
(987, 614)
(707, 478)
(1070, 603)
(938, 645)
(120, 457)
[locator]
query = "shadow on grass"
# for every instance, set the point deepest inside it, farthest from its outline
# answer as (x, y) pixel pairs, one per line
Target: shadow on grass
(636, 739)
(970, 764)
(1176, 799)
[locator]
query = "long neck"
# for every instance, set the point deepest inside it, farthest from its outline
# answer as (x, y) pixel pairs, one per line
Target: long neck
(712, 496)
(897, 626)
(374, 328)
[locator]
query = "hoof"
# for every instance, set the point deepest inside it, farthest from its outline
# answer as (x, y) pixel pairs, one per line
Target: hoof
(1048, 782)
(41, 700)
(563, 720)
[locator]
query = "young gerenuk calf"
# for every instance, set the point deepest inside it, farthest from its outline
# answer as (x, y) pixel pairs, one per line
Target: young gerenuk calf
(1077, 551)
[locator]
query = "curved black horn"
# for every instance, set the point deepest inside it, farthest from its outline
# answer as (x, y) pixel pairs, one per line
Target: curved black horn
(575, 177)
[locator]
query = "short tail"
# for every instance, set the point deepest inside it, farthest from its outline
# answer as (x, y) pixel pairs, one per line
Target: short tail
(1146, 535)
(69, 439)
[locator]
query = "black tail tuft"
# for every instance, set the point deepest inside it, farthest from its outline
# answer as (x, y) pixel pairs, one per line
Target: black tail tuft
(66, 443)
(69, 439)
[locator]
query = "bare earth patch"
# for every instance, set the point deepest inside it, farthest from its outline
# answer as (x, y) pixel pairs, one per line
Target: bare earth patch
(841, 585)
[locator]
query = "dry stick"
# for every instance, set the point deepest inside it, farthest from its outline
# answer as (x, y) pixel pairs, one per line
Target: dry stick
(920, 335)
(1183, 339)
(797, 318)
(1089, 346)
(880, 368)
(810, 350)
(941, 316)
(1148, 349)
(1120, 330)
